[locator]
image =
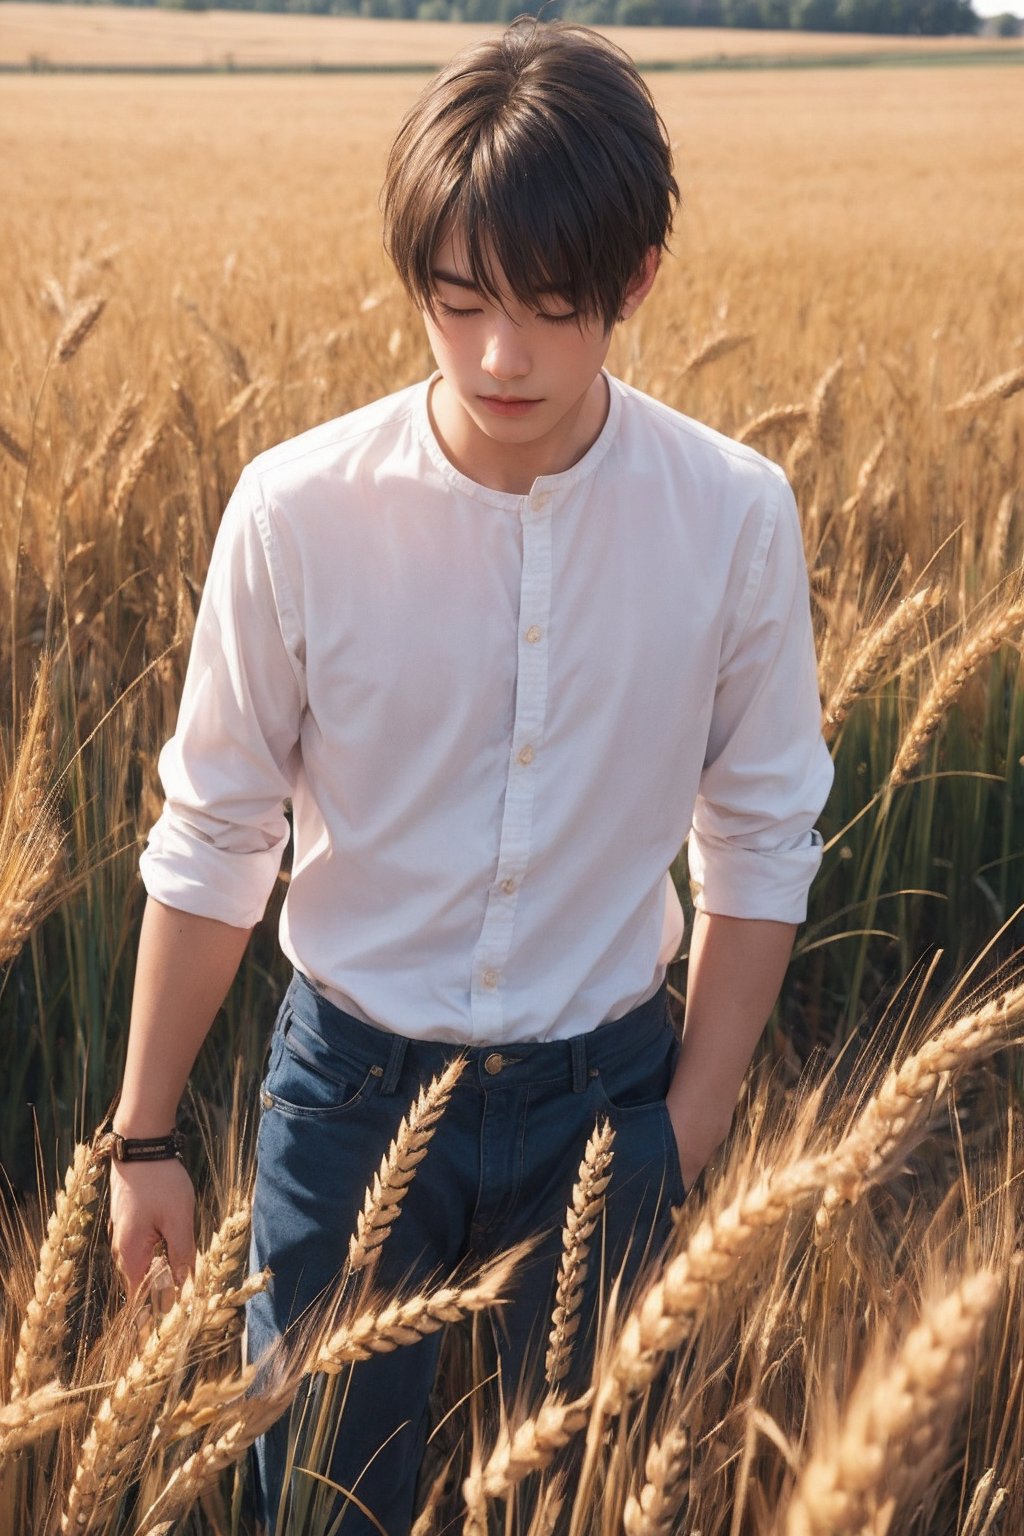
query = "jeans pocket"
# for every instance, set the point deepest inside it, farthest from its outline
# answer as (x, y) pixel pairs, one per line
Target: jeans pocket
(312, 1077)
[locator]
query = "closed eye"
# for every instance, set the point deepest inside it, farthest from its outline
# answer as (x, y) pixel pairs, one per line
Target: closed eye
(448, 309)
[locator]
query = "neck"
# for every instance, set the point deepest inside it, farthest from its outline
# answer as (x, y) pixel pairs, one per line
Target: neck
(513, 467)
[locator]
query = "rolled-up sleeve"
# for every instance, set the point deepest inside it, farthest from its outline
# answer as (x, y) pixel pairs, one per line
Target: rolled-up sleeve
(216, 848)
(753, 849)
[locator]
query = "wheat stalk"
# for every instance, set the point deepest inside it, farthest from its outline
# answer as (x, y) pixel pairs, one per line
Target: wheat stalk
(1000, 538)
(896, 1411)
(588, 1197)
(42, 1329)
(870, 654)
(530, 1448)
(654, 1510)
(1000, 388)
(382, 1202)
(963, 660)
(77, 328)
(27, 1419)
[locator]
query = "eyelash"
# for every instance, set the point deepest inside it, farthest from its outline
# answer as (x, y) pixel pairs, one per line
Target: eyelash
(447, 310)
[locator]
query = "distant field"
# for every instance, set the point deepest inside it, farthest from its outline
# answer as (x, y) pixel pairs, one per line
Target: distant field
(123, 35)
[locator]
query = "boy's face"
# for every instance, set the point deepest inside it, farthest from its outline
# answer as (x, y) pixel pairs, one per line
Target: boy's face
(518, 379)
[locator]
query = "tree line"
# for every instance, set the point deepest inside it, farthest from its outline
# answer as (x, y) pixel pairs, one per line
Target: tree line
(926, 18)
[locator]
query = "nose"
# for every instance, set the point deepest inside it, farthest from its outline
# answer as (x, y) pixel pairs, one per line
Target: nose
(505, 355)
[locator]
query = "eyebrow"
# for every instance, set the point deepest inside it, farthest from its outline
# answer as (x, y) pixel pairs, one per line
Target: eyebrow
(440, 276)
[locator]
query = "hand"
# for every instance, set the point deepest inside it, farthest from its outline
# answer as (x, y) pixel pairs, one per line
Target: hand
(695, 1143)
(152, 1207)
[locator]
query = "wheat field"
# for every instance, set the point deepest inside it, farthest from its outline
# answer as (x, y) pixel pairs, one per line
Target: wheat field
(193, 272)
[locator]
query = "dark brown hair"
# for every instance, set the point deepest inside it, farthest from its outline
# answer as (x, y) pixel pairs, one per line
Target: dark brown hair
(544, 151)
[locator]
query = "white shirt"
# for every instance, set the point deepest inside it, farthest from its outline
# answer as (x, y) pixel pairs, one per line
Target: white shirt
(496, 716)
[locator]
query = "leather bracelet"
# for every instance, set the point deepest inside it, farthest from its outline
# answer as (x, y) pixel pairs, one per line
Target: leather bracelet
(145, 1149)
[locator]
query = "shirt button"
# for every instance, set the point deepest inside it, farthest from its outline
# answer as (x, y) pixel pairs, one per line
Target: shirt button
(490, 978)
(533, 634)
(526, 756)
(508, 886)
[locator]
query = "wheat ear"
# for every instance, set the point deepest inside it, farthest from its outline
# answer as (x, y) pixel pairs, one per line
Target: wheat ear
(1000, 388)
(774, 419)
(11, 446)
(981, 1512)
(865, 477)
(654, 1511)
(906, 1096)
(398, 1168)
(580, 1219)
(710, 351)
(665, 1314)
(120, 1427)
(894, 1416)
(133, 470)
(872, 651)
(962, 661)
(29, 1418)
(30, 838)
(826, 423)
(42, 1329)
(381, 1330)
(426, 1520)
(398, 1323)
(529, 1449)
(77, 328)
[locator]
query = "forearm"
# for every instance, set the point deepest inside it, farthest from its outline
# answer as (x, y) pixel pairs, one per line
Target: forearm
(184, 969)
(734, 973)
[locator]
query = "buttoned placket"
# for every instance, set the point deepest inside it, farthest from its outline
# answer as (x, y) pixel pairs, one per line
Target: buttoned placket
(492, 948)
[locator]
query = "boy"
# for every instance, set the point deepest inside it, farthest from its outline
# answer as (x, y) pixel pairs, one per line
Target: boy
(502, 638)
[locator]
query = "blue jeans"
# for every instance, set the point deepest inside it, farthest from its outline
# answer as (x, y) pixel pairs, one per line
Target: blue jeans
(501, 1165)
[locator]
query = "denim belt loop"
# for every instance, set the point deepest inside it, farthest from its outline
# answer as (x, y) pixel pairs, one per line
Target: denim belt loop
(393, 1071)
(579, 1063)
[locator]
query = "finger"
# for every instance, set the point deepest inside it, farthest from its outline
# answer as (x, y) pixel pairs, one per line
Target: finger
(180, 1243)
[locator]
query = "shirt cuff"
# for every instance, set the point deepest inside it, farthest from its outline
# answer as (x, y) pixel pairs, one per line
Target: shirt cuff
(185, 871)
(758, 883)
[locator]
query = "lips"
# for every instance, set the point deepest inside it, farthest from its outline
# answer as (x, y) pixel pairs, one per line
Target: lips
(507, 405)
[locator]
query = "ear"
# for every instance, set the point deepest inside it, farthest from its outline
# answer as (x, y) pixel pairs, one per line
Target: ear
(642, 283)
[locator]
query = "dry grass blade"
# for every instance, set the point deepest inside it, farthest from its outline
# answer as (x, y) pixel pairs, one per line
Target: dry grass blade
(870, 655)
(775, 419)
(529, 1449)
(580, 1219)
(42, 1330)
(905, 1099)
(77, 328)
(894, 1417)
(964, 659)
(654, 1511)
(1000, 388)
(382, 1203)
